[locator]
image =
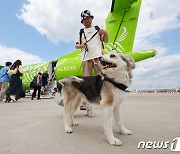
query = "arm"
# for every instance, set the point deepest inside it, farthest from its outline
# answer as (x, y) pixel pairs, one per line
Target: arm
(104, 35)
(78, 45)
(20, 69)
(11, 72)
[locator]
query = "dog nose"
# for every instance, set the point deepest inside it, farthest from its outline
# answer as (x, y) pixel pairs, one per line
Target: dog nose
(100, 58)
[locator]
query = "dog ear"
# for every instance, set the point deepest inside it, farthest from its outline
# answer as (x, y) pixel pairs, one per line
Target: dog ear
(130, 61)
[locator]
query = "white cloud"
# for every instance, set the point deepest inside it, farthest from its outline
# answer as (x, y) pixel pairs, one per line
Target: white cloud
(155, 18)
(158, 72)
(12, 54)
(59, 19)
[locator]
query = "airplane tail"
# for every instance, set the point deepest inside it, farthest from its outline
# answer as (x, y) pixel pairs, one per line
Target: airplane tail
(121, 26)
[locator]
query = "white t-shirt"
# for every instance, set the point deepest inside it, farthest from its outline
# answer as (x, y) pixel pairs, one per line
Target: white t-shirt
(94, 46)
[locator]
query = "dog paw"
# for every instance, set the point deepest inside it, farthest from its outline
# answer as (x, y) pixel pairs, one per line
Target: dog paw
(68, 130)
(115, 141)
(74, 124)
(126, 132)
(89, 115)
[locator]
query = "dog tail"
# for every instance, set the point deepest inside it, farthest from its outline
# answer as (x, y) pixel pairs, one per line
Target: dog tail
(68, 80)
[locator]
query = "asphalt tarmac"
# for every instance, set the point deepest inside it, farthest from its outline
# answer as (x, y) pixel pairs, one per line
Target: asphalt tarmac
(36, 127)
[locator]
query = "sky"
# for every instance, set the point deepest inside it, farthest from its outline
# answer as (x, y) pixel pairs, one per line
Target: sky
(41, 30)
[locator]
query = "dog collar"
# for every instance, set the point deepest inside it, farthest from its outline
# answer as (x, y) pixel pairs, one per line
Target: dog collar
(116, 84)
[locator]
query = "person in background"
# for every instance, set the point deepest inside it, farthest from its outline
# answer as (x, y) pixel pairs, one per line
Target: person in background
(45, 77)
(15, 86)
(4, 79)
(37, 86)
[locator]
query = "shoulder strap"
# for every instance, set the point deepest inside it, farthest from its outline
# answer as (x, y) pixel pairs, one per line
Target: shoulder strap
(3, 74)
(97, 28)
(80, 34)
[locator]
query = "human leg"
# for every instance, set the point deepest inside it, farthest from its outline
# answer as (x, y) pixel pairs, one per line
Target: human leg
(87, 71)
(96, 60)
(3, 87)
(39, 92)
(87, 68)
(34, 92)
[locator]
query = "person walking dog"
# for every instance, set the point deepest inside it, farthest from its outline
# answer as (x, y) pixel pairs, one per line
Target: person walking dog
(90, 40)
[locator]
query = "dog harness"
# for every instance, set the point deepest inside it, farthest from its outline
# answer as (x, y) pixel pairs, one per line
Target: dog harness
(100, 82)
(116, 84)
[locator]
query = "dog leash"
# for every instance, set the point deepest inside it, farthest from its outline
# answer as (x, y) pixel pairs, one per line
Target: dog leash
(98, 67)
(81, 64)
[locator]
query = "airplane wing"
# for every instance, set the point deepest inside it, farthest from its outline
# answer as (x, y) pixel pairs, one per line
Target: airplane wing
(141, 55)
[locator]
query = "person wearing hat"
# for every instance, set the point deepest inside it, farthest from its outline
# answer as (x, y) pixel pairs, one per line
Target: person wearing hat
(90, 40)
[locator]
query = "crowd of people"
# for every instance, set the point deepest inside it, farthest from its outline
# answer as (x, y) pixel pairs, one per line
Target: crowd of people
(40, 84)
(11, 74)
(11, 83)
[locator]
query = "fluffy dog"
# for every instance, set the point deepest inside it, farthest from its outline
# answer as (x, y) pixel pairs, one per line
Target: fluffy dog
(108, 90)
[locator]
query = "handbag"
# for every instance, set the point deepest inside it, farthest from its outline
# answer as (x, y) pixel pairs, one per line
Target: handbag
(19, 73)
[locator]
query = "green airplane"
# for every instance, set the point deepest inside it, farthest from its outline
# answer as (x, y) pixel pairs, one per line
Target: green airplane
(120, 25)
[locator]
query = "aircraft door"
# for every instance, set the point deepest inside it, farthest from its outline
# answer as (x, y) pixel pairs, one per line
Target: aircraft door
(51, 70)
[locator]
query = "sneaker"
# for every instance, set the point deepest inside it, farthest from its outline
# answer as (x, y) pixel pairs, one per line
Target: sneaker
(13, 98)
(61, 102)
(38, 98)
(8, 99)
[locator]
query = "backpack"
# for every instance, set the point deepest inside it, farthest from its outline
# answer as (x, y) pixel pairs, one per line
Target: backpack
(45, 75)
(82, 32)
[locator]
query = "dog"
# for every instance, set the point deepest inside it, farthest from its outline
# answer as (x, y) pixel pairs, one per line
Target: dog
(108, 90)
